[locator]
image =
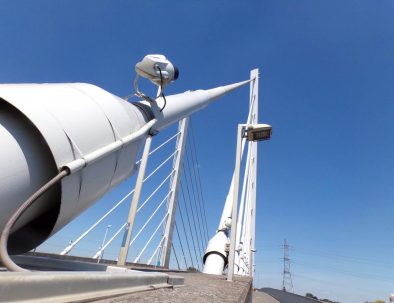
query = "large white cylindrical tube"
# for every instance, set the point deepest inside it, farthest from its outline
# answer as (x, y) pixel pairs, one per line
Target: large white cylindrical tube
(215, 257)
(46, 126)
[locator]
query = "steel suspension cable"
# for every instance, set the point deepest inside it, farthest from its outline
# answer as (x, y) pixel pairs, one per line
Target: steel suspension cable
(184, 230)
(150, 239)
(149, 219)
(194, 199)
(156, 250)
(74, 243)
(160, 166)
(198, 199)
(153, 193)
(190, 228)
(199, 179)
(180, 242)
(176, 258)
(98, 253)
(192, 210)
(160, 146)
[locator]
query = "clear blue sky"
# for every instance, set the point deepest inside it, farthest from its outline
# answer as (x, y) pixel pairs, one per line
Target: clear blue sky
(326, 179)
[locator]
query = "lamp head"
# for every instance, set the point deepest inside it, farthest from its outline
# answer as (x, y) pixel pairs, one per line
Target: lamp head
(258, 132)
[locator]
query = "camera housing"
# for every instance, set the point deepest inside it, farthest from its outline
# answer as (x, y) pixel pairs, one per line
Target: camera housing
(158, 69)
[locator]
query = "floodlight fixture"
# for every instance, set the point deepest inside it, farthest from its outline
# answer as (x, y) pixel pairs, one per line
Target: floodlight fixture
(258, 132)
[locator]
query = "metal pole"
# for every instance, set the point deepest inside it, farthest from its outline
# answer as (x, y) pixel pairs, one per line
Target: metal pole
(254, 97)
(124, 249)
(173, 198)
(230, 272)
(102, 244)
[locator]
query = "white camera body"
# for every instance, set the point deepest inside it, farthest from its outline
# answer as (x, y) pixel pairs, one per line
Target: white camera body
(158, 69)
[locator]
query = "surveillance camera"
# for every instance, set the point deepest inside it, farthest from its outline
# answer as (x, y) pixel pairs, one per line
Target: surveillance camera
(158, 69)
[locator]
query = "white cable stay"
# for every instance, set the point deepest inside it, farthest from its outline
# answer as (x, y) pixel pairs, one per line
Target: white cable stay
(74, 243)
(153, 193)
(71, 246)
(98, 253)
(124, 225)
(150, 239)
(150, 218)
(160, 146)
(156, 250)
(157, 168)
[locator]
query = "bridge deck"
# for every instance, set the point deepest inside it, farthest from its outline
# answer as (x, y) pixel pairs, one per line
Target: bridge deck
(106, 287)
(197, 288)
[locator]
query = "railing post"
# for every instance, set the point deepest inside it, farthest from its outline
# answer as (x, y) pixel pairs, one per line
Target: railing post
(173, 197)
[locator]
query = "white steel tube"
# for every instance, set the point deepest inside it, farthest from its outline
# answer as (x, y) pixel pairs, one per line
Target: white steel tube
(230, 272)
(254, 96)
(124, 249)
(80, 163)
(174, 187)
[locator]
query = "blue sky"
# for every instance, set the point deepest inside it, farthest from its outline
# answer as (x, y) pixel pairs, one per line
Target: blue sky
(327, 73)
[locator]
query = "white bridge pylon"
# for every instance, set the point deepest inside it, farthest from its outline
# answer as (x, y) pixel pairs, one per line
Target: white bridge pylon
(184, 196)
(216, 257)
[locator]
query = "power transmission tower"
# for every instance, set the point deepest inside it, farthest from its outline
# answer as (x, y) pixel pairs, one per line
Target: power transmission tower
(287, 282)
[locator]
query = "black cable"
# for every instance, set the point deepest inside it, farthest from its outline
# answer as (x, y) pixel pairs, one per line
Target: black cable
(161, 89)
(176, 258)
(180, 242)
(198, 199)
(194, 217)
(190, 227)
(4, 256)
(199, 178)
(184, 230)
(193, 194)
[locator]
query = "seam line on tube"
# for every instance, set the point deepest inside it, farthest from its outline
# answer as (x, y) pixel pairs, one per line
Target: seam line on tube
(101, 152)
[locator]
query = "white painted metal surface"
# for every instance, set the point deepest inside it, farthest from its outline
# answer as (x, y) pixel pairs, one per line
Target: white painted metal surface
(215, 257)
(238, 156)
(81, 126)
(73, 120)
(254, 97)
(182, 105)
(124, 248)
(172, 200)
(213, 267)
